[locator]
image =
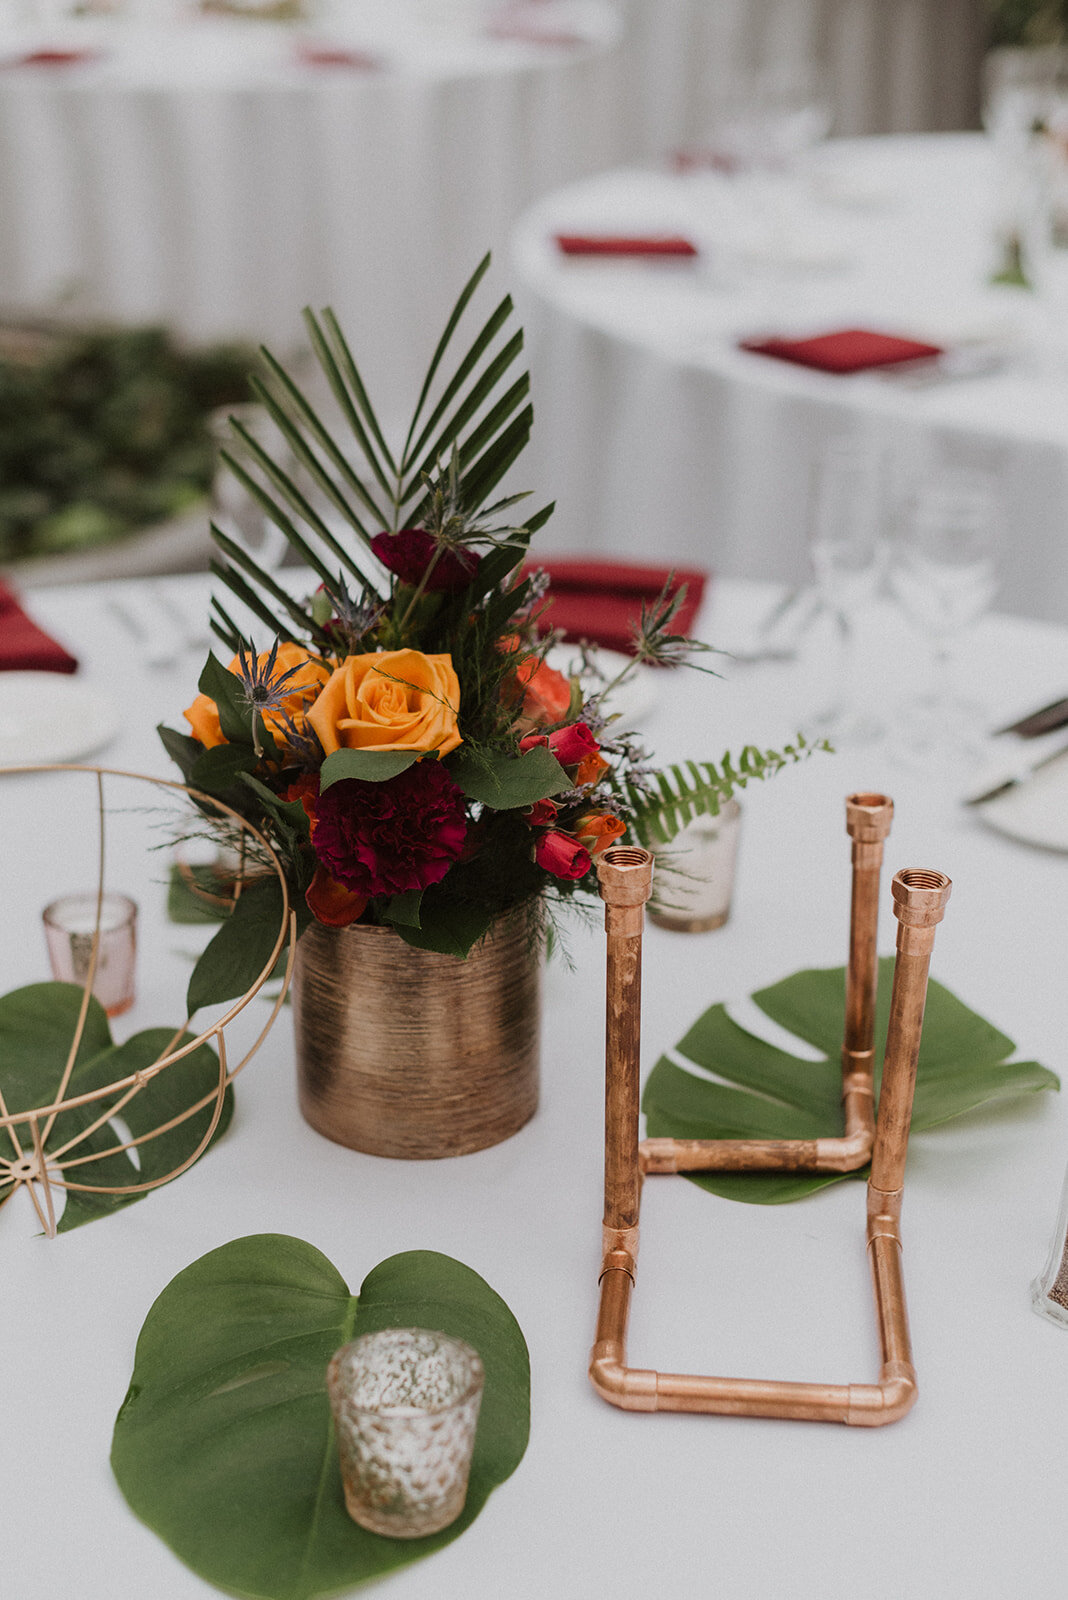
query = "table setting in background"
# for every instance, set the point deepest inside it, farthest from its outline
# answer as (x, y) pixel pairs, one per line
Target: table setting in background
(237, 1272)
(674, 365)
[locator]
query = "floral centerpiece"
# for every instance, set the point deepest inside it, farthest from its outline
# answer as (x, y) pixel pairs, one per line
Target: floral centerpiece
(399, 736)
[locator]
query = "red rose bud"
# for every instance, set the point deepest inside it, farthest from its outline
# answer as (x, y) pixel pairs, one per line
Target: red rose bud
(598, 829)
(573, 744)
(541, 813)
(409, 554)
(531, 740)
(590, 769)
(561, 855)
(331, 903)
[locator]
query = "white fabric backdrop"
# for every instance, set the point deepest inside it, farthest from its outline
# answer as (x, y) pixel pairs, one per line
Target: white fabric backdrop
(655, 432)
(892, 66)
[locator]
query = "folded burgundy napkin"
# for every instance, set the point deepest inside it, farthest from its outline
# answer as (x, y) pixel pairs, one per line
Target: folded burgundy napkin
(24, 647)
(602, 600)
(51, 58)
(618, 244)
(850, 350)
(332, 55)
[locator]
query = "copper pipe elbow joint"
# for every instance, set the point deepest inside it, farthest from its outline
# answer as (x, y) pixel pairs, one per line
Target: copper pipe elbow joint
(629, 1388)
(873, 1405)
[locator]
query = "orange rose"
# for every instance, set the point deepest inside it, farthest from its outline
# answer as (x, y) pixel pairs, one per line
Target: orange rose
(598, 829)
(547, 695)
(389, 700)
(203, 715)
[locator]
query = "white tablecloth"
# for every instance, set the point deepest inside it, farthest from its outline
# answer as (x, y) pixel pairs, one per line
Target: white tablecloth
(962, 1500)
(889, 66)
(653, 428)
(198, 173)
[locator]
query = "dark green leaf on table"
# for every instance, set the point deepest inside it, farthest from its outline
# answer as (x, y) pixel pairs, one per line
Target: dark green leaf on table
(506, 782)
(240, 950)
(195, 894)
(768, 1093)
(224, 1444)
(37, 1025)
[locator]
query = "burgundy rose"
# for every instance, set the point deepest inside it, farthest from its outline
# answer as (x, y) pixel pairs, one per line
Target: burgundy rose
(409, 553)
(389, 838)
(562, 855)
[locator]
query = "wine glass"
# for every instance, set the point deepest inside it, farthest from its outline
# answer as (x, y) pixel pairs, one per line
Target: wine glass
(944, 576)
(846, 552)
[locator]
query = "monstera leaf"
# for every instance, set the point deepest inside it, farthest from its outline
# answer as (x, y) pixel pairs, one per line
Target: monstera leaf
(224, 1444)
(37, 1025)
(765, 1092)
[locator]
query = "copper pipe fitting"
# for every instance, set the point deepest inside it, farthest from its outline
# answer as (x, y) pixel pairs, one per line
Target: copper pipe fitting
(626, 880)
(868, 819)
(919, 901)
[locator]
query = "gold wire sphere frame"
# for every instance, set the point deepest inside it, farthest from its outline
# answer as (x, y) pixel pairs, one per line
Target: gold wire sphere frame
(36, 1169)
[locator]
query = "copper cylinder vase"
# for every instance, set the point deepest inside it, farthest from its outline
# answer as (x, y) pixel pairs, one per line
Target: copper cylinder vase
(412, 1054)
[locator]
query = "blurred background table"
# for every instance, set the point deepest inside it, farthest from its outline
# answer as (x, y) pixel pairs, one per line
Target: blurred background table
(777, 1291)
(218, 173)
(654, 426)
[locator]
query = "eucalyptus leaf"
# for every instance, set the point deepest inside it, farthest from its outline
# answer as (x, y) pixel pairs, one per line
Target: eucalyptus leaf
(241, 949)
(224, 1444)
(37, 1026)
(505, 782)
(768, 1093)
(370, 766)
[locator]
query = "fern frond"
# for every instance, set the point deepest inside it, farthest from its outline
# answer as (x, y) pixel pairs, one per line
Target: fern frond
(701, 788)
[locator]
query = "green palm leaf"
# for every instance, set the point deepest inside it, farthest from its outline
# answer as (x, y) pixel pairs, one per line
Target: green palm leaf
(761, 1091)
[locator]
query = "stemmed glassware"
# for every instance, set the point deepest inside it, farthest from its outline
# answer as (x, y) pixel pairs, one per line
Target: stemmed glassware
(944, 575)
(847, 553)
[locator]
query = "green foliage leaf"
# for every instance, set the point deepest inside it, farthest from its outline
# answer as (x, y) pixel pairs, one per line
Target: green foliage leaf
(224, 1444)
(451, 930)
(184, 751)
(37, 1025)
(225, 688)
(241, 949)
(403, 909)
(700, 788)
(196, 901)
(370, 766)
(216, 770)
(505, 782)
(768, 1093)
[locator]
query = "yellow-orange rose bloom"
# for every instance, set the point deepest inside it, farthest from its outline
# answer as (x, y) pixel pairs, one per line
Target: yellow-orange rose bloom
(389, 700)
(203, 715)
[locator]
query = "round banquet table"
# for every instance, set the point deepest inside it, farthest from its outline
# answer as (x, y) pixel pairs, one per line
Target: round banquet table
(656, 430)
(963, 1499)
(219, 173)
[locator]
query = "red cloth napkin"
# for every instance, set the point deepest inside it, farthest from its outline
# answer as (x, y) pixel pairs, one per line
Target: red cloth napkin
(851, 350)
(332, 55)
(610, 244)
(52, 58)
(24, 647)
(601, 600)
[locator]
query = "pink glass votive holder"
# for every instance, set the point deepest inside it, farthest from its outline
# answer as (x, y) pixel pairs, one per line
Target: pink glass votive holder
(70, 929)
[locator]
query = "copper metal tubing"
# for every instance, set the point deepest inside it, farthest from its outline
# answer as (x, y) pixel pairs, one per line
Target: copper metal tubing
(919, 902)
(868, 819)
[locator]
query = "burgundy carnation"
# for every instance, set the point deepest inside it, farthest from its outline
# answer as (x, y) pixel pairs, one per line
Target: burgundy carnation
(389, 838)
(409, 552)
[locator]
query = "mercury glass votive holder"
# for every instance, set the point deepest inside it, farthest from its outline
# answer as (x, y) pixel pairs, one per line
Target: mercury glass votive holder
(695, 873)
(405, 1404)
(70, 926)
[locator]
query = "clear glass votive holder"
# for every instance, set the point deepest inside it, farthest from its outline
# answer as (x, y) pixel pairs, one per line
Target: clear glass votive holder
(1049, 1291)
(695, 873)
(70, 923)
(405, 1404)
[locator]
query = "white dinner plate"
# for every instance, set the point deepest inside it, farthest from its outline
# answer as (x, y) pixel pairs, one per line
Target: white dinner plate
(632, 701)
(46, 716)
(1035, 812)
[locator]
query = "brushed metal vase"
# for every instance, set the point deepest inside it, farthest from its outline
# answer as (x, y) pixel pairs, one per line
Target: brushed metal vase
(408, 1053)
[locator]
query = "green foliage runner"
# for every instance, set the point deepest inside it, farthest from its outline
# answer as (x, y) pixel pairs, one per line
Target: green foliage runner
(768, 1093)
(225, 1445)
(37, 1025)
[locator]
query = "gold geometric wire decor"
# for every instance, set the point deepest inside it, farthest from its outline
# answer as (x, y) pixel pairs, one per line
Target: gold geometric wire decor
(40, 1171)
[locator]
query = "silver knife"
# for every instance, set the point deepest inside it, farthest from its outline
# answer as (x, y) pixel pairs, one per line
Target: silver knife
(1016, 779)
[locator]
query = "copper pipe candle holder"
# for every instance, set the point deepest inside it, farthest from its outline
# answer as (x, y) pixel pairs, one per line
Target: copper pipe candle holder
(919, 899)
(868, 819)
